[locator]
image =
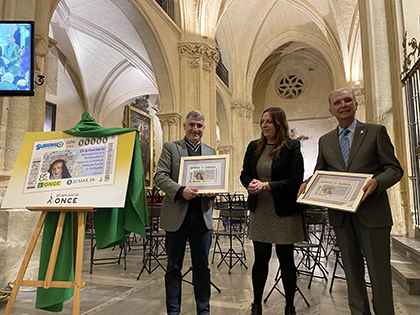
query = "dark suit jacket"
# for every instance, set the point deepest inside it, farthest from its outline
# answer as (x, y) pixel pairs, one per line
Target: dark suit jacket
(166, 178)
(371, 153)
(286, 177)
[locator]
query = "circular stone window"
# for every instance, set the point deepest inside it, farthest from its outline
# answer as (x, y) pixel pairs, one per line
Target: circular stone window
(290, 86)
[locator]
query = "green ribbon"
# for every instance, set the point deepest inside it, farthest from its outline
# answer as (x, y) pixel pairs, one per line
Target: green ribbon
(112, 225)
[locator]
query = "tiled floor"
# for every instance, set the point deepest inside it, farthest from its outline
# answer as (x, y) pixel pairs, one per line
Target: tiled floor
(112, 290)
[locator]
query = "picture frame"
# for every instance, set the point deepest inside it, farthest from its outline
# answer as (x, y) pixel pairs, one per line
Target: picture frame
(336, 190)
(143, 122)
(207, 173)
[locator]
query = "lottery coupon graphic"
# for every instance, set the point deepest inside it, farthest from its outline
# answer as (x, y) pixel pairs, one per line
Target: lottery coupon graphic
(58, 169)
(209, 173)
(336, 190)
(72, 162)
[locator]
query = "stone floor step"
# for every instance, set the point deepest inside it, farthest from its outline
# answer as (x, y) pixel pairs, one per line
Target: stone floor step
(406, 272)
(408, 247)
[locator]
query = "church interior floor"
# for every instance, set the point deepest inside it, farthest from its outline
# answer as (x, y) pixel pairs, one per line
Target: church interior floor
(112, 290)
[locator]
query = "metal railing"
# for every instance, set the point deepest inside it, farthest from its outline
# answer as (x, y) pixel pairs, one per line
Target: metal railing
(410, 77)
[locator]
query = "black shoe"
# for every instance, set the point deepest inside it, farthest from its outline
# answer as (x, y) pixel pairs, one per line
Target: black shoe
(289, 310)
(256, 309)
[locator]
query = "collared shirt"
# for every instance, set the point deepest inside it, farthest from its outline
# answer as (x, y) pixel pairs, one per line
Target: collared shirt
(350, 135)
(193, 150)
(194, 205)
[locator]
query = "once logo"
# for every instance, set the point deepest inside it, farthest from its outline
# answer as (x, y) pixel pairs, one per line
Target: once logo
(66, 200)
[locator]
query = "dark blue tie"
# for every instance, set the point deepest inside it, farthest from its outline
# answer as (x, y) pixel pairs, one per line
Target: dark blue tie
(345, 145)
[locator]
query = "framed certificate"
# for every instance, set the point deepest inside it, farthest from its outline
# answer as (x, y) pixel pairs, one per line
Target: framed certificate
(341, 191)
(207, 173)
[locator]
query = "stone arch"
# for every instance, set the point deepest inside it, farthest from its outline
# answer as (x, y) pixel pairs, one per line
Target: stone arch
(148, 33)
(333, 57)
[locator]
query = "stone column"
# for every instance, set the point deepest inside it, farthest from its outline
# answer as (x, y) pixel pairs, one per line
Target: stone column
(242, 112)
(18, 116)
(198, 62)
(170, 126)
(383, 93)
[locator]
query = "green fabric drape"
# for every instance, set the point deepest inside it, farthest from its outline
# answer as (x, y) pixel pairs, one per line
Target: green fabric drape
(111, 224)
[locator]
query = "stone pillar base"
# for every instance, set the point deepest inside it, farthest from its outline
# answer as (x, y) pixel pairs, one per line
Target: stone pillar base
(16, 229)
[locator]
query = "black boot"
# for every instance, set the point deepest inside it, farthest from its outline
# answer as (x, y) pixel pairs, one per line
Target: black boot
(289, 310)
(256, 309)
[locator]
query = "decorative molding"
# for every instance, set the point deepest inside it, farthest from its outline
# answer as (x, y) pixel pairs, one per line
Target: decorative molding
(193, 62)
(243, 109)
(199, 50)
(225, 149)
(168, 119)
(359, 93)
(173, 121)
(410, 60)
(209, 66)
(290, 86)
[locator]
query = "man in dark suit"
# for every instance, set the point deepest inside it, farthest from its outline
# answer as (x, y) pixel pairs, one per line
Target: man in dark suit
(185, 215)
(366, 232)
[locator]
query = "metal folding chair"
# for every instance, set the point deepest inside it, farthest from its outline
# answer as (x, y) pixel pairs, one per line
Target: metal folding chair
(312, 248)
(275, 287)
(154, 251)
(234, 217)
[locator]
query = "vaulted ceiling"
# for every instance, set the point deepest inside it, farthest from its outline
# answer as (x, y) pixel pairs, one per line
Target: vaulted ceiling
(101, 48)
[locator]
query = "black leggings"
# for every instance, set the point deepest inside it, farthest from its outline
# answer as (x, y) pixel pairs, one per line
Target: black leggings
(262, 255)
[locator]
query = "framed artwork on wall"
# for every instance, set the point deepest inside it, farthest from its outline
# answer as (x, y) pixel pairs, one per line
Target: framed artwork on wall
(143, 122)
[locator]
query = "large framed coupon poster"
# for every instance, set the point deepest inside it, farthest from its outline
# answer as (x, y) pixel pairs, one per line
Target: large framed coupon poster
(57, 169)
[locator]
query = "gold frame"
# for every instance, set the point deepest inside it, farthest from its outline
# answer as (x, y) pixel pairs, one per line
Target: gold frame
(132, 117)
(201, 162)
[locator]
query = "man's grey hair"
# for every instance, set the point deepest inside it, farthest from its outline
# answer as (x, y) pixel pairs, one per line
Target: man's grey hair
(196, 114)
(339, 90)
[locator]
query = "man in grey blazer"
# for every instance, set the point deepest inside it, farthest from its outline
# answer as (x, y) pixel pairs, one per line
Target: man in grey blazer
(185, 215)
(368, 230)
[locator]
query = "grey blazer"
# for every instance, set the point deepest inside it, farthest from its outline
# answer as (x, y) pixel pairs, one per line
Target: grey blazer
(371, 153)
(166, 178)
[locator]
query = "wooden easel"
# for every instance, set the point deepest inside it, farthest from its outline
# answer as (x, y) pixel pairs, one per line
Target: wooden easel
(77, 284)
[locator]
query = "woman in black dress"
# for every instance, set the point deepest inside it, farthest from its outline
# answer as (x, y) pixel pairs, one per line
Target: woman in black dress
(272, 173)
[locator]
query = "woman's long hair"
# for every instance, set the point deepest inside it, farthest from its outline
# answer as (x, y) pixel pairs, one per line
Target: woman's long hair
(278, 116)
